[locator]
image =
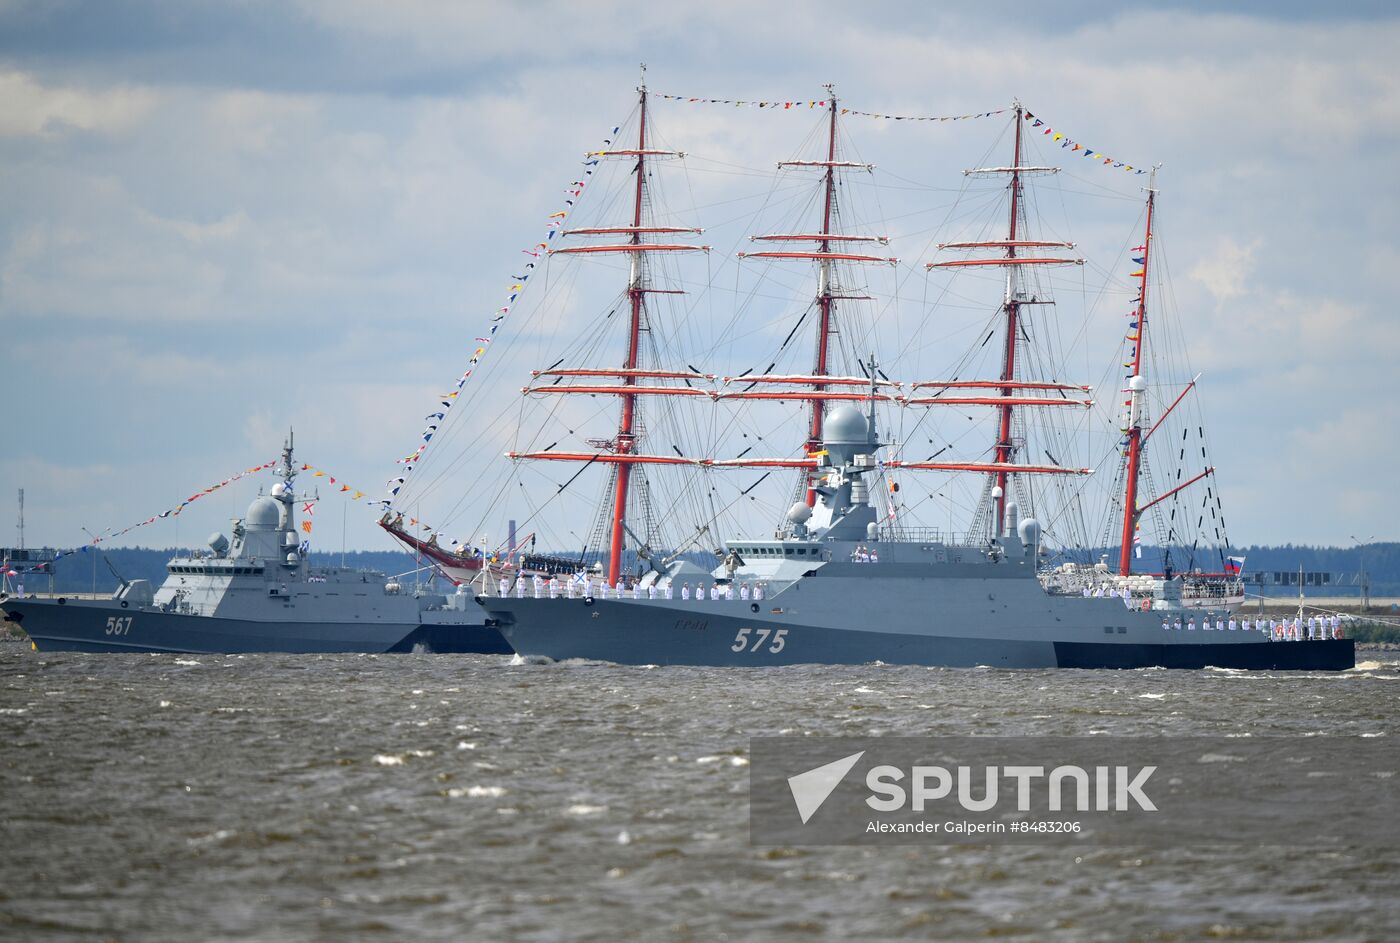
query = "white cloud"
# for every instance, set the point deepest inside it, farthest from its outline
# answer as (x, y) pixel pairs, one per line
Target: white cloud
(1226, 270)
(30, 109)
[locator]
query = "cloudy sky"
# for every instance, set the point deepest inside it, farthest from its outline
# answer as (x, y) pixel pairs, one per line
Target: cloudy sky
(221, 220)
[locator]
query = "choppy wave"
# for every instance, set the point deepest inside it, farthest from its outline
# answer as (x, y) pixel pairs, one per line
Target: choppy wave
(337, 797)
(476, 792)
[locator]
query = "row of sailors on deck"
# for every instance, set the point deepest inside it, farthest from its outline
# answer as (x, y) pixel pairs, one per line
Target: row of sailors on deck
(581, 586)
(1313, 627)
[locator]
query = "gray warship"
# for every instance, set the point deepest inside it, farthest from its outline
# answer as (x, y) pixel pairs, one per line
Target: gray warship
(840, 580)
(257, 593)
(828, 589)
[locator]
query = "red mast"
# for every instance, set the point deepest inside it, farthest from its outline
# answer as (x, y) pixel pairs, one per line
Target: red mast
(636, 292)
(814, 435)
(825, 256)
(1135, 392)
(621, 449)
(1008, 360)
(1011, 304)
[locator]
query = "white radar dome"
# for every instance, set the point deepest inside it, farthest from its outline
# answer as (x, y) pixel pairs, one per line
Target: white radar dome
(799, 513)
(263, 514)
(846, 426)
(1029, 531)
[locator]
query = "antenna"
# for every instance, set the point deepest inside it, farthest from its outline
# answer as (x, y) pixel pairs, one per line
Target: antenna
(1152, 179)
(21, 518)
(288, 470)
(874, 382)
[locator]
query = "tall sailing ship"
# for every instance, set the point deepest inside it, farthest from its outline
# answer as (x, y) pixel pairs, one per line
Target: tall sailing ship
(845, 576)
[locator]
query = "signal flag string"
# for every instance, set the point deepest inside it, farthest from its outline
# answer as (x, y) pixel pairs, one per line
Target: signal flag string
(447, 400)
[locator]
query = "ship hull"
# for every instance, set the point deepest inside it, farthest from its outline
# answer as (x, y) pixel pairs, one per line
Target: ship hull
(84, 626)
(730, 633)
(1309, 655)
(456, 638)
